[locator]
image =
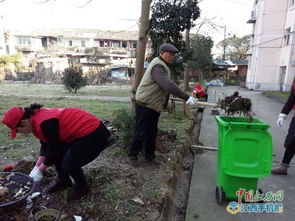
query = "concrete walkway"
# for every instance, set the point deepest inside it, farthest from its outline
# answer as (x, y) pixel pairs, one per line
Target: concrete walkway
(202, 203)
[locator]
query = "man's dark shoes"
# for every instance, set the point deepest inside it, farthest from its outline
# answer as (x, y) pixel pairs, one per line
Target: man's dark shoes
(153, 161)
(78, 192)
(133, 161)
(58, 185)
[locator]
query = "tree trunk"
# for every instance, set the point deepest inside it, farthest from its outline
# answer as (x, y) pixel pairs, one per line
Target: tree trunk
(200, 75)
(141, 45)
(186, 74)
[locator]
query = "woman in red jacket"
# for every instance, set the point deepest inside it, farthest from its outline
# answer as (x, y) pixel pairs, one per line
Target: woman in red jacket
(70, 138)
(200, 92)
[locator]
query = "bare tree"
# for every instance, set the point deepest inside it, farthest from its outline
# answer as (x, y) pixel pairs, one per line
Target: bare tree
(186, 71)
(141, 45)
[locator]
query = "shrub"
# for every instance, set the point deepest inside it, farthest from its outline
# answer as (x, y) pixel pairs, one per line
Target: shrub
(235, 80)
(124, 122)
(73, 79)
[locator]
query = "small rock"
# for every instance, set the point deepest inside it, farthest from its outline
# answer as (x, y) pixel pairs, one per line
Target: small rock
(77, 218)
(35, 194)
(138, 201)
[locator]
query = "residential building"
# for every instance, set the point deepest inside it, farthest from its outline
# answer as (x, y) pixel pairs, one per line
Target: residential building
(61, 48)
(241, 67)
(271, 55)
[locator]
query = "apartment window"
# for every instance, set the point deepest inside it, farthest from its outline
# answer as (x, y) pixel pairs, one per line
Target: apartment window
(124, 44)
(115, 44)
(134, 44)
(60, 40)
(106, 43)
(287, 36)
(23, 40)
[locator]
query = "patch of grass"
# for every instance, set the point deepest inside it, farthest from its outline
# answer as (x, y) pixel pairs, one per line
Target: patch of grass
(282, 94)
(174, 118)
(124, 123)
(89, 204)
(152, 191)
(64, 195)
(111, 194)
(119, 151)
(20, 89)
(14, 149)
(114, 185)
(175, 121)
(132, 210)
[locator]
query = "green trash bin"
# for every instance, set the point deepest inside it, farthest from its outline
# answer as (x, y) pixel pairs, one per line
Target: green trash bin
(244, 155)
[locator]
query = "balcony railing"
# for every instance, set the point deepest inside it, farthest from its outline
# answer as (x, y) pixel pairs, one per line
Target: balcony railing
(253, 18)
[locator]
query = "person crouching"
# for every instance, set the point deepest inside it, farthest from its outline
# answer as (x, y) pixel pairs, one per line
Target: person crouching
(70, 138)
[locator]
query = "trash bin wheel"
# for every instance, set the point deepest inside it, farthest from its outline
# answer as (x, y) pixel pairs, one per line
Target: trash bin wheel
(219, 194)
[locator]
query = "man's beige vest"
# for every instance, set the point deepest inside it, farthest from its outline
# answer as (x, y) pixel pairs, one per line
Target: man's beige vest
(149, 93)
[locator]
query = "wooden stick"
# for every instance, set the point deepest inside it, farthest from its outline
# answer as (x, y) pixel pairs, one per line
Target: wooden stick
(205, 148)
(206, 104)
(197, 102)
(213, 148)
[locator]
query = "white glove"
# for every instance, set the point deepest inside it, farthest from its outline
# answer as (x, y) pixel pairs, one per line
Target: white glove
(281, 119)
(191, 101)
(36, 174)
(32, 171)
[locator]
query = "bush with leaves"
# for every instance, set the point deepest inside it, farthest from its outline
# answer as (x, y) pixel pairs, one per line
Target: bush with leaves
(169, 19)
(124, 123)
(10, 64)
(73, 79)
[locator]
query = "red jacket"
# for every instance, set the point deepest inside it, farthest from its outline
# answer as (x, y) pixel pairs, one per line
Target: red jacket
(199, 90)
(73, 122)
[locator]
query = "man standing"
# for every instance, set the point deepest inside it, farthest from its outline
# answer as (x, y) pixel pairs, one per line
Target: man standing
(289, 144)
(151, 98)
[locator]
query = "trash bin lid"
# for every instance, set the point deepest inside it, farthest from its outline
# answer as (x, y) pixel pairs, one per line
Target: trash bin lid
(241, 122)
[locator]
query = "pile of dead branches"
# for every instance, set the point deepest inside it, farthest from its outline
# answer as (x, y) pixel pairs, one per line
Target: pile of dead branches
(235, 104)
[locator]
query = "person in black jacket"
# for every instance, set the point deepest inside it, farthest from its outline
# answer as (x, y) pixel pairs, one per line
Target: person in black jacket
(289, 144)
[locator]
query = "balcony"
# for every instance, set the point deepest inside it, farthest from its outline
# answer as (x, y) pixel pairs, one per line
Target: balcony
(252, 19)
(24, 48)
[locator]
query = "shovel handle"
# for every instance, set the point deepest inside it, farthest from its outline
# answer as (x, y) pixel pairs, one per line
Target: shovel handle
(197, 102)
(205, 104)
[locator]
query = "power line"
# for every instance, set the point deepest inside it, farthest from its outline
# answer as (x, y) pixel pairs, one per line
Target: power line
(40, 2)
(81, 6)
(126, 29)
(274, 39)
(236, 2)
(70, 3)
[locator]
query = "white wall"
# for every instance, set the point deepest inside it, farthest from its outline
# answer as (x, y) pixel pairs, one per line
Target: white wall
(268, 47)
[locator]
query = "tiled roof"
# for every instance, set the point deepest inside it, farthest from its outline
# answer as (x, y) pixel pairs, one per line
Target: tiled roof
(81, 33)
(221, 63)
(228, 63)
(240, 62)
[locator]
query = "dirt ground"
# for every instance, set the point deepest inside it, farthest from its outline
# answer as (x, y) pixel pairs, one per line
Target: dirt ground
(118, 191)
